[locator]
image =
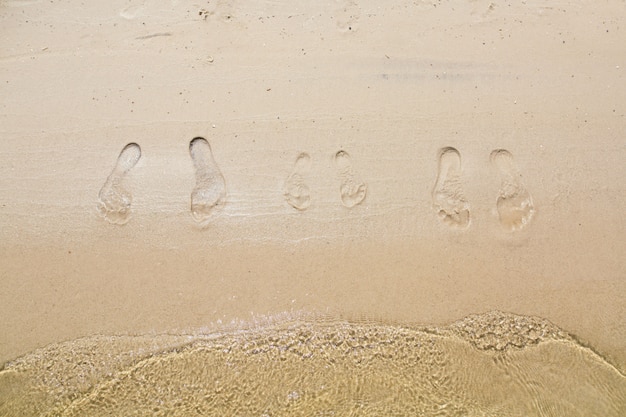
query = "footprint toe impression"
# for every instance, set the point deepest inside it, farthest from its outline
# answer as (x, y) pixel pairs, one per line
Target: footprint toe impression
(210, 187)
(297, 192)
(448, 197)
(114, 201)
(514, 204)
(351, 188)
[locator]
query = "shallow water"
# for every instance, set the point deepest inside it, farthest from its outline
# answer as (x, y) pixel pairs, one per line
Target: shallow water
(494, 364)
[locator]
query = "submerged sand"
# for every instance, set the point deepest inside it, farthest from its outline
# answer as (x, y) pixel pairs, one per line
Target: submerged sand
(170, 165)
(494, 364)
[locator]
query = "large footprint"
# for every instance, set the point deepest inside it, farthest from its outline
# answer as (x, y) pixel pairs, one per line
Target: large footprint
(210, 187)
(297, 193)
(114, 200)
(351, 188)
(448, 197)
(514, 204)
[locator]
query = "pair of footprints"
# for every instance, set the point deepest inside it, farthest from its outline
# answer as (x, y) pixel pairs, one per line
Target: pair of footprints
(351, 189)
(114, 201)
(514, 203)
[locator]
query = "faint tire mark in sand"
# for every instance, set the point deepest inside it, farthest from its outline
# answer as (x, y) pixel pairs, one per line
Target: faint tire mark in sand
(297, 192)
(210, 187)
(514, 204)
(114, 200)
(351, 188)
(448, 198)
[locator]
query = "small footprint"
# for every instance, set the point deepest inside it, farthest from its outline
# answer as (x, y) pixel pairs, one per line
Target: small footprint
(352, 189)
(210, 187)
(114, 200)
(514, 204)
(297, 193)
(448, 198)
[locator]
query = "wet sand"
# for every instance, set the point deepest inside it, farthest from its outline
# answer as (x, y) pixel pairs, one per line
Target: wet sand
(489, 365)
(409, 163)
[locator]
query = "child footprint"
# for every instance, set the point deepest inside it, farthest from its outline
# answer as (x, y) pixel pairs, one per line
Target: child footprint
(210, 186)
(351, 188)
(297, 193)
(514, 204)
(114, 200)
(448, 198)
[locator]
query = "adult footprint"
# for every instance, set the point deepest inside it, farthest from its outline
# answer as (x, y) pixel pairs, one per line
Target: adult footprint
(351, 188)
(448, 198)
(210, 186)
(297, 193)
(514, 204)
(114, 200)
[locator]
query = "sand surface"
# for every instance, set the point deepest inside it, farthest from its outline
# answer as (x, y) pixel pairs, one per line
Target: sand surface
(410, 162)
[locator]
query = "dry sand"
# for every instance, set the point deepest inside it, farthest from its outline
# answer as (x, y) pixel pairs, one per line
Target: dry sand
(410, 162)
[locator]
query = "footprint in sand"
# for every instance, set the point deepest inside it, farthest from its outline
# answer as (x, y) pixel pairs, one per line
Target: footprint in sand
(297, 193)
(448, 198)
(114, 200)
(351, 188)
(210, 187)
(514, 204)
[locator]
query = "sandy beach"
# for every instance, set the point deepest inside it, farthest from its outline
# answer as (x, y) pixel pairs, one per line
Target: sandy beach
(169, 166)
